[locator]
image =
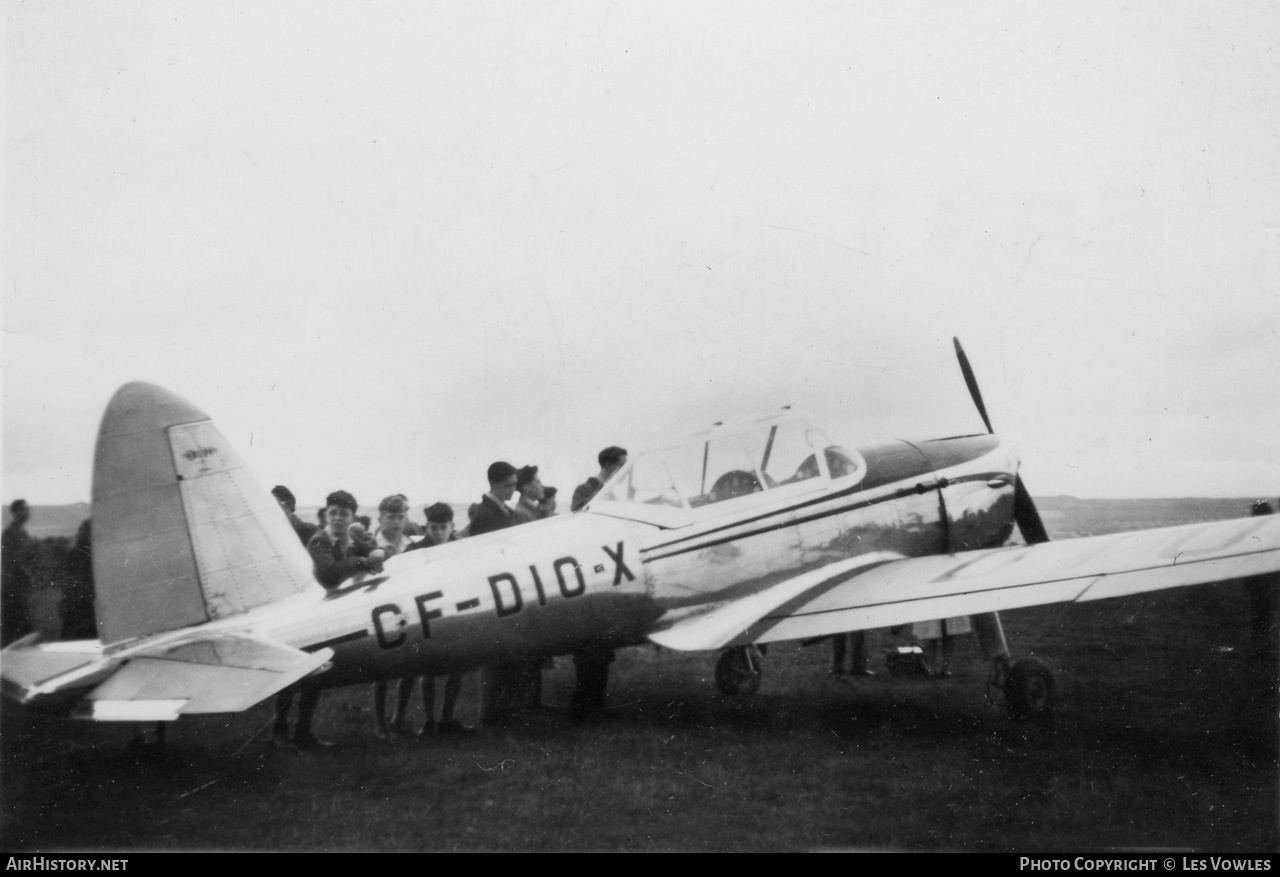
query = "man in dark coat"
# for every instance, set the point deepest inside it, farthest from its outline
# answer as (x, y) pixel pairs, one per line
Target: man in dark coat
(591, 665)
(492, 512)
(439, 532)
(18, 556)
(79, 620)
(532, 493)
(611, 459)
(284, 700)
(336, 557)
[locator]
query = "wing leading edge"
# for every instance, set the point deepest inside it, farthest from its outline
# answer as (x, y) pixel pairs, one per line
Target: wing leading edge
(886, 592)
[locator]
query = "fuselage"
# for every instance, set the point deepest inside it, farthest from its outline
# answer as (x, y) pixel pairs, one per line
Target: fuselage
(605, 576)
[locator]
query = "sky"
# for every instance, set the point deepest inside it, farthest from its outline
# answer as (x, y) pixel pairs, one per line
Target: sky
(385, 244)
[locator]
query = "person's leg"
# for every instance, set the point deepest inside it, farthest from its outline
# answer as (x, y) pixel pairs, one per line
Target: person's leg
(528, 685)
(15, 610)
(839, 646)
(491, 694)
(933, 656)
(945, 646)
(452, 688)
(1261, 592)
(498, 693)
(428, 705)
(380, 708)
(280, 730)
(303, 737)
(404, 692)
(859, 666)
(535, 681)
(592, 683)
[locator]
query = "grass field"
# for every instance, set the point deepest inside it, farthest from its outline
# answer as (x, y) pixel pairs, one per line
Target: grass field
(1165, 737)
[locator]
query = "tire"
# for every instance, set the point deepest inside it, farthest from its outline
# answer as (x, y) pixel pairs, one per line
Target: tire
(1029, 691)
(738, 671)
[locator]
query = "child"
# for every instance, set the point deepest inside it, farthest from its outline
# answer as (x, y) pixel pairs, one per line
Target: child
(337, 557)
(439, 531)
(393, 513)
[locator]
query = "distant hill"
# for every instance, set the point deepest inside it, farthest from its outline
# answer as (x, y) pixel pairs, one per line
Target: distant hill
(53, 520)
(1067, 517)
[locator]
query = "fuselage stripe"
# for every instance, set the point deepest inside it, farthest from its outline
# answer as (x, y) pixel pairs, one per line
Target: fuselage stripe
(350, 637)
(866, 503)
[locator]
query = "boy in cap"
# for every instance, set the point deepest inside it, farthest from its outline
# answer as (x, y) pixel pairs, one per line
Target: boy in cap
(337, 557)
(611, 459)
(439, 531)
(439, 527)
(492, 512)
(393, 513)
(529, 508)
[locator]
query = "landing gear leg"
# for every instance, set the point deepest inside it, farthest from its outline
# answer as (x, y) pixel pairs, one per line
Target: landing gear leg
(1028, 686)
(738, 671)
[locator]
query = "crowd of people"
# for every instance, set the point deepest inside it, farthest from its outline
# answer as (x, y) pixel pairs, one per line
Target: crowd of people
(344, 545)
(24, 562)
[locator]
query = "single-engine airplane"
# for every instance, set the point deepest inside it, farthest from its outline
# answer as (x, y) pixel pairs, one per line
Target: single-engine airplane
(741, 536)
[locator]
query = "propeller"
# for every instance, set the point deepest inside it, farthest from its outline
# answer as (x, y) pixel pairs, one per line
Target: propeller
(1024, 510)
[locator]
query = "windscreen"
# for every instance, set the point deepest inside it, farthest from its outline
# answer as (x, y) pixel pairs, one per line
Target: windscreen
(711, 469)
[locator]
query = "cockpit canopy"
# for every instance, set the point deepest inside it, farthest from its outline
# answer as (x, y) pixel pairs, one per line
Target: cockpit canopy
(775, 456)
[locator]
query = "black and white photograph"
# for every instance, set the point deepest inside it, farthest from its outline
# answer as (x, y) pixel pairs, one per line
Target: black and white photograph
(641, 427)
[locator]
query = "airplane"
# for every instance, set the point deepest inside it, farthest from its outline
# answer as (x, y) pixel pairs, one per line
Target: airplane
(741, 536)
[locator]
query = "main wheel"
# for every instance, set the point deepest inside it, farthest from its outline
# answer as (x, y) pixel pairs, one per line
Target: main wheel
(738, 671)
(1029, 690)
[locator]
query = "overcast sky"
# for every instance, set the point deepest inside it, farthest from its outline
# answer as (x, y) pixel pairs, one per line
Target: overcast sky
(384, 244)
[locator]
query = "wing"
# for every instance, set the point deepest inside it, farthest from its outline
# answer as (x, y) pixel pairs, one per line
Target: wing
(213, 674)
(884, 591)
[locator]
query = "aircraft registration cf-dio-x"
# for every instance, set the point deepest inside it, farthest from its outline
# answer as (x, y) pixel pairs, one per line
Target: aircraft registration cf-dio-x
(763, 532)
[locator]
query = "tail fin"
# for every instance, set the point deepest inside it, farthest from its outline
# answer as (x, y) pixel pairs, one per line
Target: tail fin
(182, 532)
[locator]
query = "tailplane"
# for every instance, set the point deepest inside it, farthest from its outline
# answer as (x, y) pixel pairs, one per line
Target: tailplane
(157, 680)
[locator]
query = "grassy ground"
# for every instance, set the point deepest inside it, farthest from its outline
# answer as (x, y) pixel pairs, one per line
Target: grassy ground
(1165, 737)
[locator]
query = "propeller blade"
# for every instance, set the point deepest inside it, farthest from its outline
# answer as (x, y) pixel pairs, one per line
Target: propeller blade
(1024, 512)
(972, 383)
(1024, 509)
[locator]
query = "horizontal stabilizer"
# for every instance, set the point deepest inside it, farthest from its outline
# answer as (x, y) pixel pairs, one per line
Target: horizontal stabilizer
(222, 674)
(32, 671)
